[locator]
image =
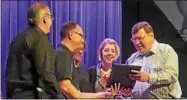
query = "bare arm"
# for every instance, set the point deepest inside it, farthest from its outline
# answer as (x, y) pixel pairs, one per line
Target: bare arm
(71, 92)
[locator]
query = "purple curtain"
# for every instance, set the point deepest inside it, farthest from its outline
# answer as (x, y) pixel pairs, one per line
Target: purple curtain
(99, 20)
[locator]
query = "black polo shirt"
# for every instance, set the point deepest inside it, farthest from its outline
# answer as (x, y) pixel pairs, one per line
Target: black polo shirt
(65, 66)
(30, 65)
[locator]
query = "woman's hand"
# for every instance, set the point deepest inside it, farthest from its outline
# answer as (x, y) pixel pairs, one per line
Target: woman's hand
(126, 92)
(114, 89)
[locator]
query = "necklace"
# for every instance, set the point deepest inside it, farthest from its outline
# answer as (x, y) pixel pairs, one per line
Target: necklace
(105, 74)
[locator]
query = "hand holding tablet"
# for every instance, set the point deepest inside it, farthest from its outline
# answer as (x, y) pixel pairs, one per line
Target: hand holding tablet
(120, 74)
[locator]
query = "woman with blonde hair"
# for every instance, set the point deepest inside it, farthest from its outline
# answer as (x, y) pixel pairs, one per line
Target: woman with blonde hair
(108, 52)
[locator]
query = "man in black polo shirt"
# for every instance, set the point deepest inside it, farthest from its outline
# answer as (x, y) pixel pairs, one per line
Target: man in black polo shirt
(30, 64)
(72, 38)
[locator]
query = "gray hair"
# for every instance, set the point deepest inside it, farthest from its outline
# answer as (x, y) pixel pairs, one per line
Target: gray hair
(35, 13)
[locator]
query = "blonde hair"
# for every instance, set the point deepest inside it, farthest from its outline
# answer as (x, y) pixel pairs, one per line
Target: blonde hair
(104, 43)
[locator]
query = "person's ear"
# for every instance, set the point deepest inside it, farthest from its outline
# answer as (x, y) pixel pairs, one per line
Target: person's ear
(70, 35)
(152, 34)
(44, 21)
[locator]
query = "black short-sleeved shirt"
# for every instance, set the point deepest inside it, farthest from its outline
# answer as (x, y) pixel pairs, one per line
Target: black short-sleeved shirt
(84, 80)
(65, 66)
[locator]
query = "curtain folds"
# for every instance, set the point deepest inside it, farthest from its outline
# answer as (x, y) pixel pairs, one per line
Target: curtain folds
(99, 20)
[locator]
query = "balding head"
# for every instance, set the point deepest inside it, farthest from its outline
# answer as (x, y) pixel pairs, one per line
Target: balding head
(145, 25)
(36, 12)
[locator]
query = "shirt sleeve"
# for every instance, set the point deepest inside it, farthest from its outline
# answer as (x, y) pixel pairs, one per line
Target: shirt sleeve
(44, 57)
(168, 73)
(64, 65)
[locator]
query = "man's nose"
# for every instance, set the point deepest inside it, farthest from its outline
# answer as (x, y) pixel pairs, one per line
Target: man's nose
(80, 52)
(137, 42)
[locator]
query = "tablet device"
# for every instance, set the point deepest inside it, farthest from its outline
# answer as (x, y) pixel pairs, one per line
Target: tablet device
(120, 74)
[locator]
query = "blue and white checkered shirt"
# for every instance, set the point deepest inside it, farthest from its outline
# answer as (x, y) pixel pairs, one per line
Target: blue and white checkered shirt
(161, 62)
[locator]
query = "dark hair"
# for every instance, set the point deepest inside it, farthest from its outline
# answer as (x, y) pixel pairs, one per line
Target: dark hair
(147, 27)
(34, 11)
(67, 27)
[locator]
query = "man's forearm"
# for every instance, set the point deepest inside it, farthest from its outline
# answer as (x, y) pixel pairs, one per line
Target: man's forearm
(69, 90)
(93, 95)
(165, 78)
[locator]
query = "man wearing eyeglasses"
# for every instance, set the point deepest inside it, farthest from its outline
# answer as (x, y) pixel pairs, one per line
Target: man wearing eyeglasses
(158, 77)
(30, 64)
(67, 75)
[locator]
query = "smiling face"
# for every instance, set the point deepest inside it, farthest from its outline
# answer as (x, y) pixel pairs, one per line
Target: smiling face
(108, 53)
(142, 40)
(78, 53)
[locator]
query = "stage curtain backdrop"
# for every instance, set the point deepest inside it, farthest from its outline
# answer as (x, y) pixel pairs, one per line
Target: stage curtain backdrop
(99, 20)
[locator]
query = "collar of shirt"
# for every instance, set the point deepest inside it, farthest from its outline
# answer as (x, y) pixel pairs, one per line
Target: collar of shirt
(40, 31)
(65, 47)
(152, 50)
(98, 70)
(154, 47)
(101, 72)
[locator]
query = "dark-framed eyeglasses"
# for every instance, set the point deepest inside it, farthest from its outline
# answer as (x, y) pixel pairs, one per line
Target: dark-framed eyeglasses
(80, 34)
(138, 38)
(80, 50)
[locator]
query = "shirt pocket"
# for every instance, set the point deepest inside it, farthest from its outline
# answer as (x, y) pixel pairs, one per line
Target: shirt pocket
(158, 70)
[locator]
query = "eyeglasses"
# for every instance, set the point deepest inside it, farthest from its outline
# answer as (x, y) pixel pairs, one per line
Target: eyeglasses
(80, 50)
(138, 38)
(51, 16)
(80, 34)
